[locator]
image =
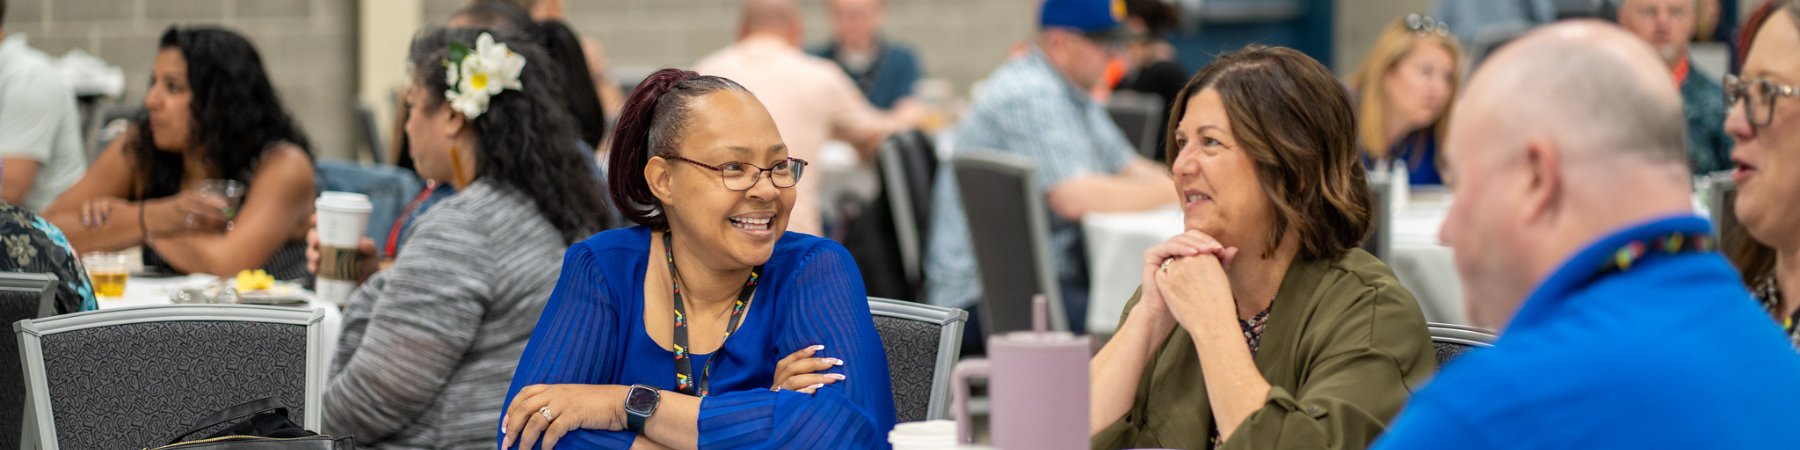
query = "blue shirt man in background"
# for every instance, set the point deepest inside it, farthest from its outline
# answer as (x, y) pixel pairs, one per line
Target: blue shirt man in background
(1574, 235)
(884, 70)
(1038, 107)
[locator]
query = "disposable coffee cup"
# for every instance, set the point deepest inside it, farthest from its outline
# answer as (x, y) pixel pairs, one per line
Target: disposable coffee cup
(343, 220)
(926, 435)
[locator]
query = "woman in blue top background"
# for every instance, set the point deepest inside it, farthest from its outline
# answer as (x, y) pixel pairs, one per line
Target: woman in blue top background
(1404, 90)
(645, 312)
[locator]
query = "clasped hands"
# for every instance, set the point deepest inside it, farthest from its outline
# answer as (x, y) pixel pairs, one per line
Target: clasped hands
(1185, 282)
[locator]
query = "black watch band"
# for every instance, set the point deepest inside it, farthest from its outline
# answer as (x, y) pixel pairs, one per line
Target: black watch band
(640, 404)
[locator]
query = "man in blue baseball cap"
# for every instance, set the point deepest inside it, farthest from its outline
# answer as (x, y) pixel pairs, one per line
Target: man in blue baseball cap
(1038, 107)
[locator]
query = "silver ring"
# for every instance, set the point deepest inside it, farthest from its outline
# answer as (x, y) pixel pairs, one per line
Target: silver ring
(546, 412)
(1165, 264)
(190, 220)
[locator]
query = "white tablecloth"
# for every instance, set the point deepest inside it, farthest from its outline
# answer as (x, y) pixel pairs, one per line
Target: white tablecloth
(141, 291)
(1116, 243)
(1424, 265)
(1115, 252)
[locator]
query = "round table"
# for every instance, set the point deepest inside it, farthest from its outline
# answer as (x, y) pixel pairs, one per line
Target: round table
(149, 291)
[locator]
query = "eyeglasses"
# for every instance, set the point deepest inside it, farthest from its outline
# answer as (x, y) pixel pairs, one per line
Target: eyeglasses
(1758, 96)
(741, 176)
(1421, 24)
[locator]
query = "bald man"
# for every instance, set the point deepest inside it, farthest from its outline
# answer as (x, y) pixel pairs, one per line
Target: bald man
(1621, 326)
(1668, 25)
(811, 100)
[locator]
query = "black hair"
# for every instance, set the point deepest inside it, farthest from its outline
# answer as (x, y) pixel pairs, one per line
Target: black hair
(652, 124)
(1158, 17)
(501, 16)
(582, 99)
(563, 46)
(235, 112)
(525, 140)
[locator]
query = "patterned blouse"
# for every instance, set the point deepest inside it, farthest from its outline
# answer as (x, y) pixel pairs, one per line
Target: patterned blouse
(1769, 294)
(33, 245)
(1253, 330)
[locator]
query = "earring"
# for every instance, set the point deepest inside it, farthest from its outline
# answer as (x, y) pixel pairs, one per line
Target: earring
(456, 165)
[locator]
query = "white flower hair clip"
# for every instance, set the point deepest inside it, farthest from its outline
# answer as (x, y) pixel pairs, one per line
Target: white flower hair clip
(479, 74)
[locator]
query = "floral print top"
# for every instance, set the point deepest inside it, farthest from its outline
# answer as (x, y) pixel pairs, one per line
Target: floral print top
(1253, 330)
(33, 245)
(1767, 292)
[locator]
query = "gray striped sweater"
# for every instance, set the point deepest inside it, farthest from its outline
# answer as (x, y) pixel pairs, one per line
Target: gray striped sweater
(429, 346)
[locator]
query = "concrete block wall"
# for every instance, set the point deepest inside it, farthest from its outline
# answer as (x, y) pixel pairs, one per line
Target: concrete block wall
(308, 47)
(960, 40)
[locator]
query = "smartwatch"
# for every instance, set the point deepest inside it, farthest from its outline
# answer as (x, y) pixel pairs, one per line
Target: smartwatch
(640, 403)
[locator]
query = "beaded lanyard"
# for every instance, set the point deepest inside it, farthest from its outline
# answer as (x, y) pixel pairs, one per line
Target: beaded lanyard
(1669, 244)
(684, 366)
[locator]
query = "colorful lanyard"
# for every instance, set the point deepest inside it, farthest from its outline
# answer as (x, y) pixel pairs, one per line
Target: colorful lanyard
(684, 366)
(1669, 244)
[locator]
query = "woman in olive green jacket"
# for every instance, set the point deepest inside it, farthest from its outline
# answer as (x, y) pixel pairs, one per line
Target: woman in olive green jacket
(1262, 326)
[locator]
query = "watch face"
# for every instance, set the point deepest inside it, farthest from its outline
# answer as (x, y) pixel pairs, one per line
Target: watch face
(642, 400)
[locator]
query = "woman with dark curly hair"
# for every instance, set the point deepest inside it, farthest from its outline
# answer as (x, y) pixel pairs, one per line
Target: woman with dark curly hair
(429, 345)
(210, 114)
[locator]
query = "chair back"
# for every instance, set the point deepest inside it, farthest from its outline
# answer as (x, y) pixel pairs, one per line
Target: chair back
(886, 236)
(1721, 202)
(370, 132)
(1010, 233)
(1452, 341)
(923, 343)
(1381, 232)
(22, 296)
(132, 377)
(1139, 116)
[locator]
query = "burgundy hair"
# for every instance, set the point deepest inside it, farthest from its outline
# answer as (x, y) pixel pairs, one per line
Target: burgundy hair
(650, 126)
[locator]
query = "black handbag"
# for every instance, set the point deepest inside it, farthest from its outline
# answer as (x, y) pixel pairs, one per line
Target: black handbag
(261, 424)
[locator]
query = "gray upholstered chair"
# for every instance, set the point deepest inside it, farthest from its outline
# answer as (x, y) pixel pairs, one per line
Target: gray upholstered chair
(1010, 233)
(1381, 235)
(923, 343)
(22, 296)
(133, 377)
(1721, 202)
(1452, 341)
(1139, 116)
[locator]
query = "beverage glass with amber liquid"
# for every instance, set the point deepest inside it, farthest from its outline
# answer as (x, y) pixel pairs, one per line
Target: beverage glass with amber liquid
(107, 271)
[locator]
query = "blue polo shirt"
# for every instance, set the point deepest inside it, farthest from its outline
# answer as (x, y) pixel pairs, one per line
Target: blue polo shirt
(1672, 353)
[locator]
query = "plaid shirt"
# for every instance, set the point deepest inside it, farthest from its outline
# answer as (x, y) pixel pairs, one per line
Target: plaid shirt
(1026, 108)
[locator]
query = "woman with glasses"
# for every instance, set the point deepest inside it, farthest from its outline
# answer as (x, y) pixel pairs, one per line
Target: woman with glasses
(1262, 325)
(428, 343)
(1765, 122)
(706, 325)
(1404, 90)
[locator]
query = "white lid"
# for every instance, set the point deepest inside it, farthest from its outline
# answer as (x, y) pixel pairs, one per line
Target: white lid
(926, 432)
(349, 202)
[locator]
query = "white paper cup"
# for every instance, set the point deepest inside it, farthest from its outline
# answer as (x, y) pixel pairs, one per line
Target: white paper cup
(926, 435)
(343, 220)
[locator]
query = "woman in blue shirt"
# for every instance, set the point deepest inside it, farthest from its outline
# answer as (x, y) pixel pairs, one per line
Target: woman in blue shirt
(1404, 90)
(688, 316)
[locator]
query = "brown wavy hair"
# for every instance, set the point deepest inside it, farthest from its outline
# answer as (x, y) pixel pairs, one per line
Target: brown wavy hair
(1294, 120)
